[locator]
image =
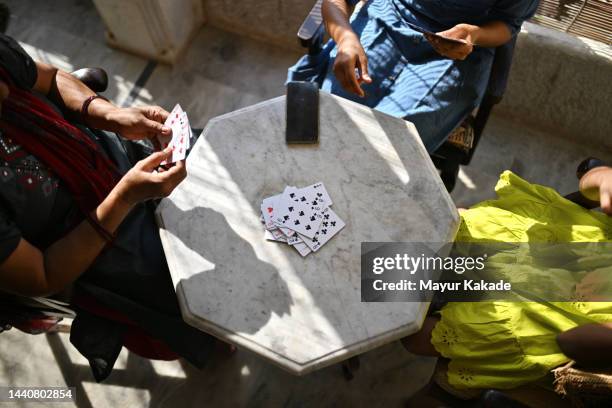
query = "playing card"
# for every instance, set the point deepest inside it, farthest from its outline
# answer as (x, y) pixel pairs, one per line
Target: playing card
(179, 141)
(301, 217)
(273, 207)
(302, 248)
(294, 238)
(267, 210)
(286, 231)
(275, 235)
(185, 129)
(296, 215)
(330, 226)
(180, 137)
(314, 195)
(164, 141)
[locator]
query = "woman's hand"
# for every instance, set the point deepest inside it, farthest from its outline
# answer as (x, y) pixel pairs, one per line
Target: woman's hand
(453, 50)
(143, 122)
(351, 58)
(596, 185)
(32, 272)
(143, 181)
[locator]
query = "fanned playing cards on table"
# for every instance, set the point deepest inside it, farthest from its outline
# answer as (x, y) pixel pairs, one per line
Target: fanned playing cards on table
(180, 140)
(301, 218)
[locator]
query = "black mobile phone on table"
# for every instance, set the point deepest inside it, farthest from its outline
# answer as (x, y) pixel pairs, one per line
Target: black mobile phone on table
(302, 113)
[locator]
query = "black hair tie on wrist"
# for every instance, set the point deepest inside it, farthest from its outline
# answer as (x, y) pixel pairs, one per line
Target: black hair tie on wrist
(87, 102)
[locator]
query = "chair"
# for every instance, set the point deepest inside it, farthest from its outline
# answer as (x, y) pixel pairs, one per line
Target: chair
(95, 78)
(452, 153)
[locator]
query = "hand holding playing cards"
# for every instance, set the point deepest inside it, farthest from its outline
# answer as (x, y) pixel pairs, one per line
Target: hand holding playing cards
(143, 122)
(457, 50)
(144, 182)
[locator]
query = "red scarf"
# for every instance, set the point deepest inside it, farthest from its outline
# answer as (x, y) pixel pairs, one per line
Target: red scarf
(68, 152)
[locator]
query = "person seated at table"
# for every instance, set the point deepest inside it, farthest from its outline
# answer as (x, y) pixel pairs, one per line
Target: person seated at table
(380, 60)
(73, 207)
(507, 344)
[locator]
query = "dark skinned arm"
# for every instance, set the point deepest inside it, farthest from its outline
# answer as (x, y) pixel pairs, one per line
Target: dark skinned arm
(589, 345)
(68, 93)
(33, 272)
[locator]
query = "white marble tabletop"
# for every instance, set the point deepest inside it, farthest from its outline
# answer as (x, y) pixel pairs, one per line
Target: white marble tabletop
(300, 313)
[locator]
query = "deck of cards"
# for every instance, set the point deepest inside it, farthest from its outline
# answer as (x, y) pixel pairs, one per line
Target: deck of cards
(301, 218)
(180, 140)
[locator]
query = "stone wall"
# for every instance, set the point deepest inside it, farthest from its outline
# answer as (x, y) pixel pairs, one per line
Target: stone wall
(274, 21)
(561, 84)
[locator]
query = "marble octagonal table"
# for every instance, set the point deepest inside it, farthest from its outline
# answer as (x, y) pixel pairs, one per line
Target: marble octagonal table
(300, 313)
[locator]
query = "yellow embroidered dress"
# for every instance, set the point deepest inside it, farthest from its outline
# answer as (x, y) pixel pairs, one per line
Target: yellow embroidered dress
(507, 344)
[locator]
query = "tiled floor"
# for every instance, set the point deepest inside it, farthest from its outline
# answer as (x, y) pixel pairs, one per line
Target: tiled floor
(387, 377)
(70, 35)
(220, 73)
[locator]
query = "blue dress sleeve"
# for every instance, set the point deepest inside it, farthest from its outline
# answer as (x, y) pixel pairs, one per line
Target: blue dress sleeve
(513, 12)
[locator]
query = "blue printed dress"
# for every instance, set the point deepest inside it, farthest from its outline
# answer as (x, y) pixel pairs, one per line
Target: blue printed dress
(410, 79)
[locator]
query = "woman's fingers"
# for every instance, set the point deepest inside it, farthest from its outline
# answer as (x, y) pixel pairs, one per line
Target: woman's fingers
(172, 177)
(435, 43)
(154, 128)
(156, 113)
(363, 69)
(179, 167)
(152, 121)
(449, 49)
(351, 78)
(155, 142)
(351, 65)
(348, 76)
(605, 200)
(341, 67)
(153, 161)
(161, 113)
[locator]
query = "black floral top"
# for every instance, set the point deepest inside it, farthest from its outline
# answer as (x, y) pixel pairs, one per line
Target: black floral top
(131, 275)
(36, 205)
(31, 197)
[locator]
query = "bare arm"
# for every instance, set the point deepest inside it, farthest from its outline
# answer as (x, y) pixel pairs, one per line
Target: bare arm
(32, 272)
(29, 271)
(69, 94)
(589, 345)
(350, 55)
(336, 15)
(492, 34)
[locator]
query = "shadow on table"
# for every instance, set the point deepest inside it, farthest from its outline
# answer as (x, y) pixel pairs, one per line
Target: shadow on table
(339, 320)
(231, 285)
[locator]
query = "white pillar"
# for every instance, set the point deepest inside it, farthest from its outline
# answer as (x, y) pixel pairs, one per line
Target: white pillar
(156, 29)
